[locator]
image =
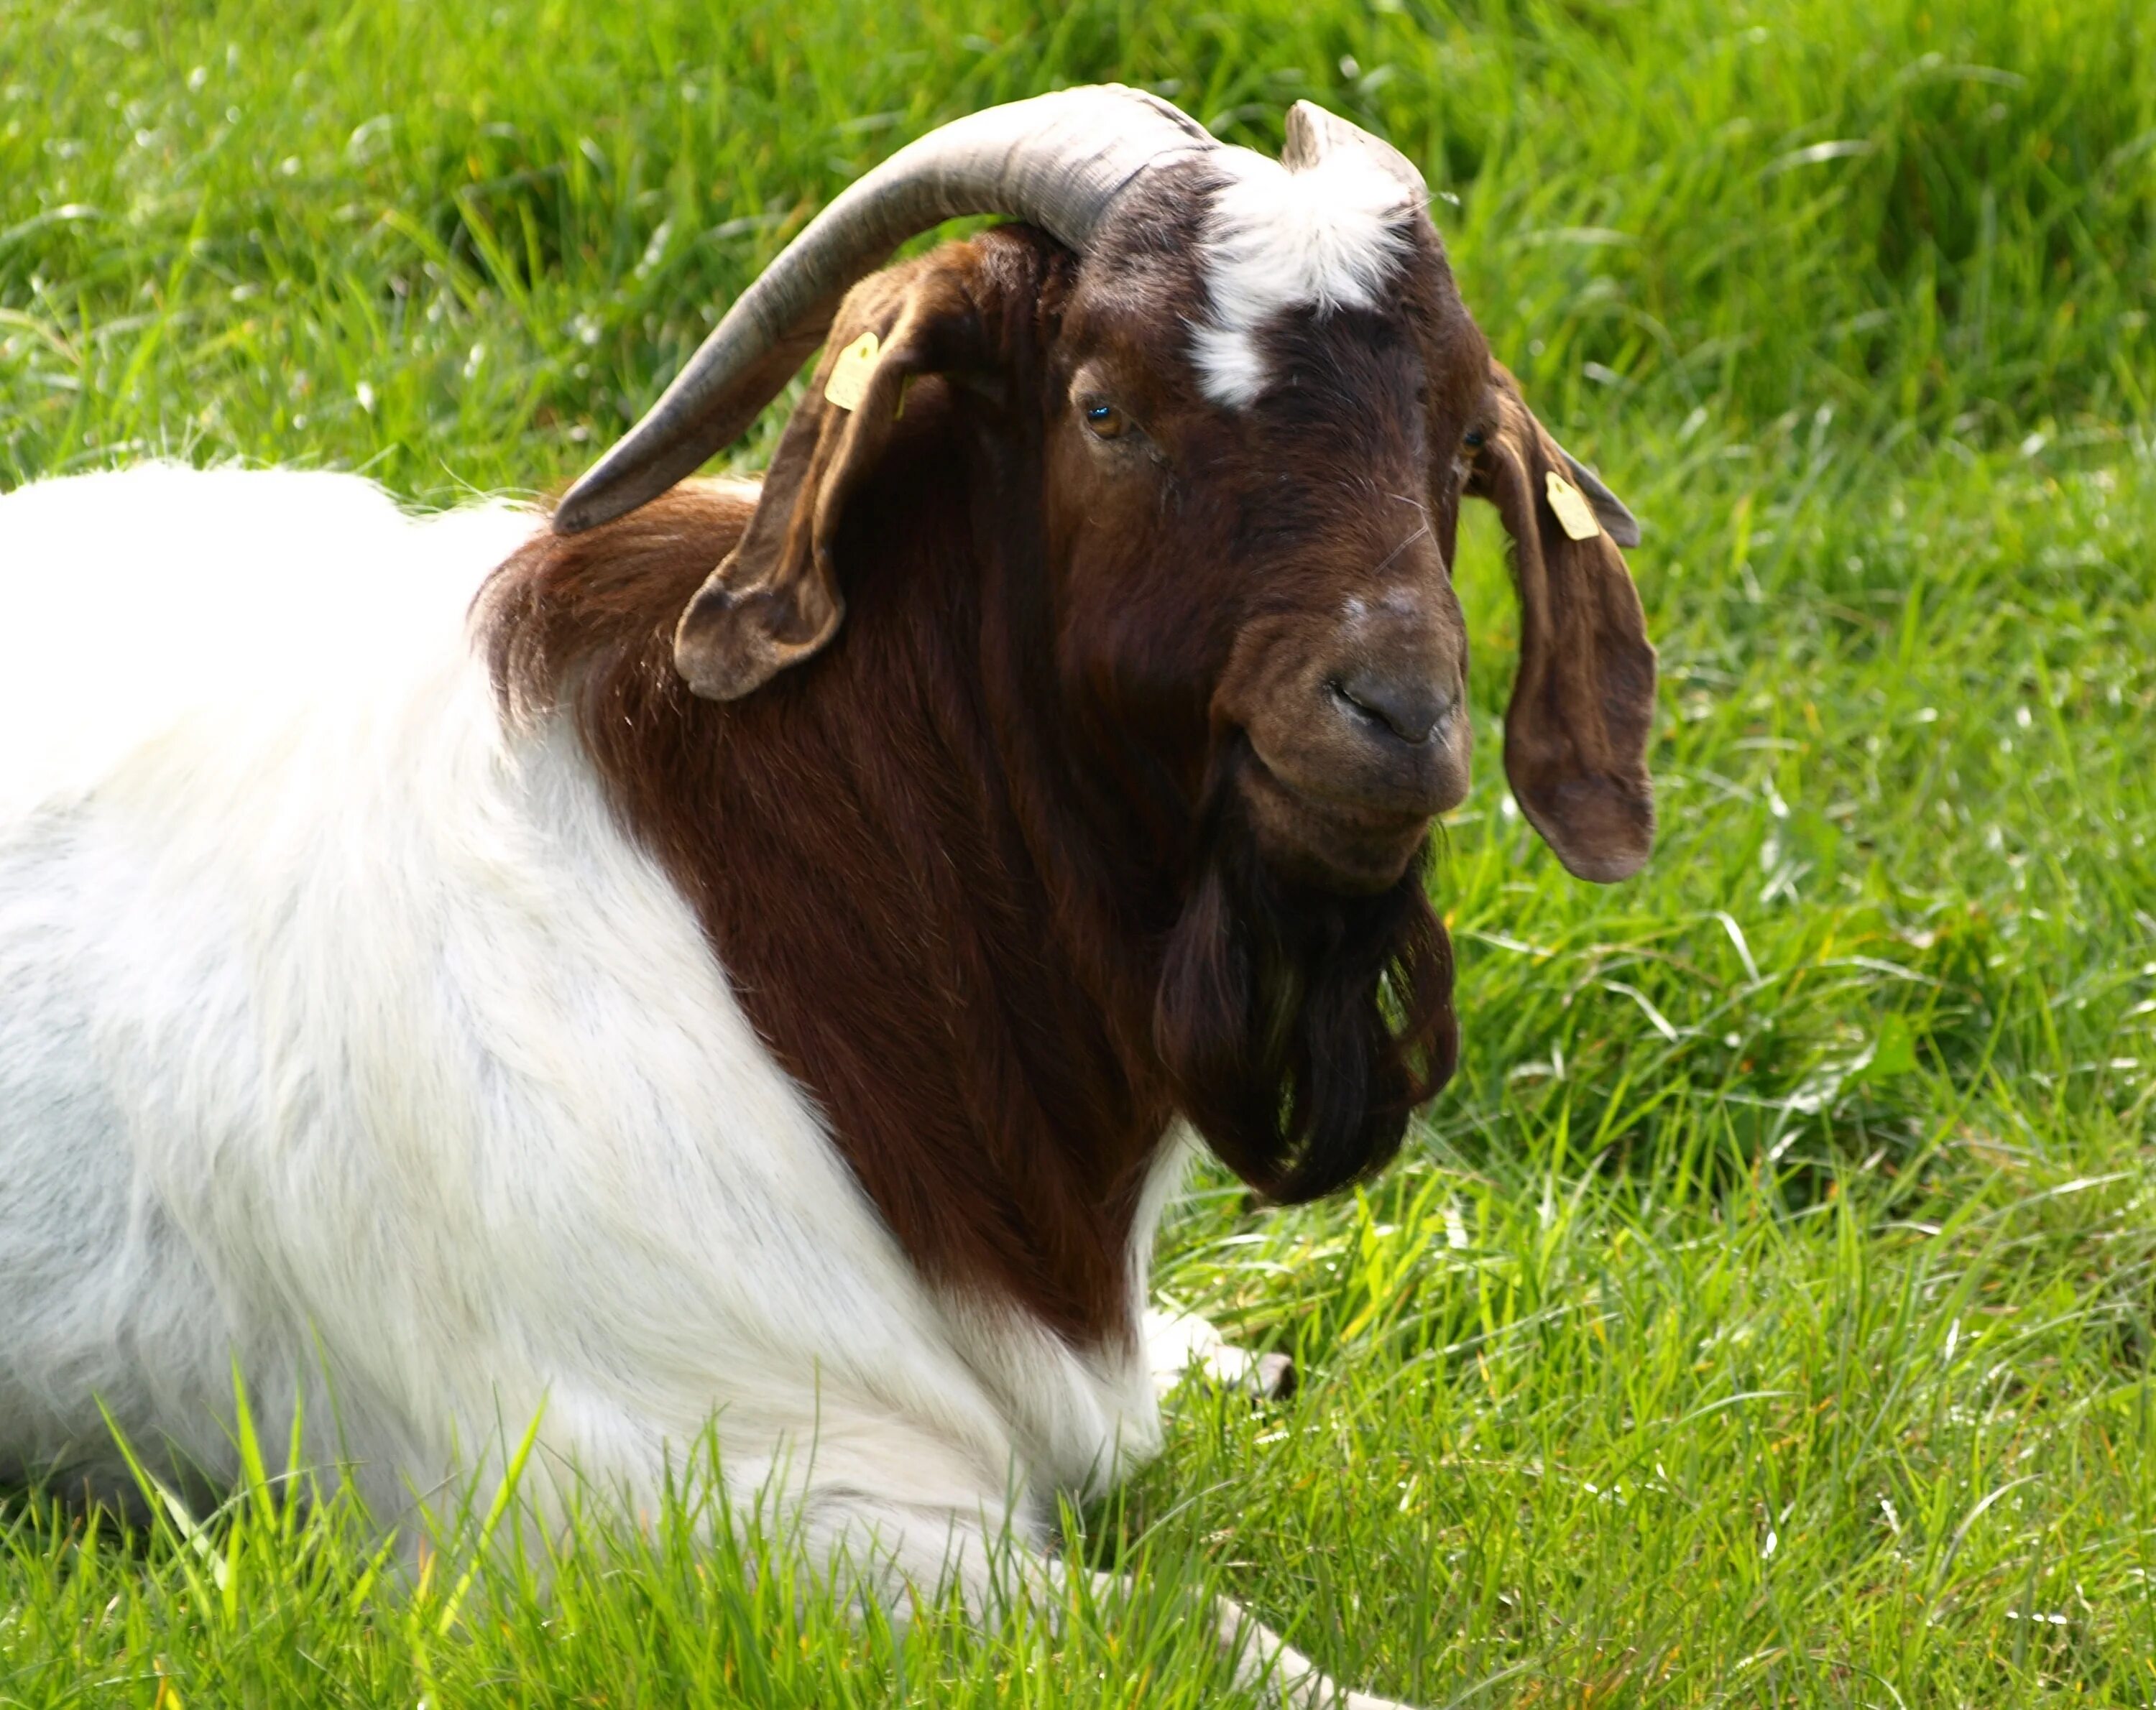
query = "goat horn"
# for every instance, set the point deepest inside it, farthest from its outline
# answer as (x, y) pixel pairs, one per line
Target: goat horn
(1313, 133)
(1059, 161)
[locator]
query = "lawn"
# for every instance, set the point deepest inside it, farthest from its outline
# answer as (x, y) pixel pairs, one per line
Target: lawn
(1765, 1315)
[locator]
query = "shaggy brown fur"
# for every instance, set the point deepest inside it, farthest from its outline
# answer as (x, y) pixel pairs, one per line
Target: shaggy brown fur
(1045, 820)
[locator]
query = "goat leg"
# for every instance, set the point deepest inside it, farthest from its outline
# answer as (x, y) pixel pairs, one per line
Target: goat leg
(1180, 1344)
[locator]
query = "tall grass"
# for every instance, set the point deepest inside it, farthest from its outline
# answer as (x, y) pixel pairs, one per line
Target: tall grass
(508, 225)
(1764, 1315)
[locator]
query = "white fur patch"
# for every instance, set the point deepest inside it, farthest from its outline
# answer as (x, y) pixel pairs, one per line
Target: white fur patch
(1275, 240)
(342, 1031)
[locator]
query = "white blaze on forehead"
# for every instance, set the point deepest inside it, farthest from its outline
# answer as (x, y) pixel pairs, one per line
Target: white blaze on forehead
(1326, 238)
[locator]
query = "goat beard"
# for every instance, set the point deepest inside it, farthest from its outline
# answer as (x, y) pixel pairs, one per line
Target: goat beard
(1301, 1027)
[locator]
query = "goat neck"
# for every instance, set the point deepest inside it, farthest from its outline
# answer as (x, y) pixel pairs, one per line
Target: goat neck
(887, 852)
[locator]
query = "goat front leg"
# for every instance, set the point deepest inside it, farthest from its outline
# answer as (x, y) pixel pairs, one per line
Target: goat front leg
(1280, 1675)
(1178, 1343)
(884, 1550)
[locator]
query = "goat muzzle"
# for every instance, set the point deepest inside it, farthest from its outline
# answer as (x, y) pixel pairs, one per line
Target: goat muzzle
(1357, 738)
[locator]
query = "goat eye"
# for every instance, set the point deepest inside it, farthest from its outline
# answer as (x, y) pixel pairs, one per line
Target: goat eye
(1473, 440)
(1106, 420)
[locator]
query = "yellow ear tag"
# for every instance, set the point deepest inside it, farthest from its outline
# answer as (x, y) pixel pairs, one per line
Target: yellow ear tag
(848, 383)
(1574, 514)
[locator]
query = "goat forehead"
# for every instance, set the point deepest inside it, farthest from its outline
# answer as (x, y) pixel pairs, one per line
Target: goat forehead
(1326, 238)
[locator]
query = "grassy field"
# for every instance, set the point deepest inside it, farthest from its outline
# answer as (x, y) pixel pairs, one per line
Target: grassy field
(1766, 1314)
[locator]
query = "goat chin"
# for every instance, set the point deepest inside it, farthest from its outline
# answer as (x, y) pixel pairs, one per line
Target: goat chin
(345, 1035)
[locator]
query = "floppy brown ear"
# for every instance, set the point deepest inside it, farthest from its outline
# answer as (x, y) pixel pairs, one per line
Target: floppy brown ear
(1583, 705)
(774, 600)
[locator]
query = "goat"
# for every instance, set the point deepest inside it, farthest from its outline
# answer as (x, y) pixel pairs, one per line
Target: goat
(749, 951)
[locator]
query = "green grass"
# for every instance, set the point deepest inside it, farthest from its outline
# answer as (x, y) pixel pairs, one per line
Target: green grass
(1765, 1314)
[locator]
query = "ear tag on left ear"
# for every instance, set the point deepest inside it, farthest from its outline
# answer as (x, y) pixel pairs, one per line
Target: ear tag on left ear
(1574, 515)
(848, 383)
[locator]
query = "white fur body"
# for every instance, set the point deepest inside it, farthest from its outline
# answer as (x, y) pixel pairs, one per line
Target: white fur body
(1326, 238)
(341, 1030)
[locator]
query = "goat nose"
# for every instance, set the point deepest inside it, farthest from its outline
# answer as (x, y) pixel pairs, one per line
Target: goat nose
(1410, 707)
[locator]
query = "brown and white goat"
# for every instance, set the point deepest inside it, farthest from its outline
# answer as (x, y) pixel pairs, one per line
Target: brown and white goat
(753, 968)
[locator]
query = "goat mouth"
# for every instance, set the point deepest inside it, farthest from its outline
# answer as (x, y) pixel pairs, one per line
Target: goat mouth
(1329, 841)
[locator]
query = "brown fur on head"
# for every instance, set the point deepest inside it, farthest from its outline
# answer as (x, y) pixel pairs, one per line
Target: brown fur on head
(1055, 746)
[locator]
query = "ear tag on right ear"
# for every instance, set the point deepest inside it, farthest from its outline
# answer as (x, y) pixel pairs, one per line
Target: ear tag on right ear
(1574, 514)
(848, 383)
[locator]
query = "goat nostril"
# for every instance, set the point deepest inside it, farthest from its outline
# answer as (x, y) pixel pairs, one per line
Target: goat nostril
(1410, 710)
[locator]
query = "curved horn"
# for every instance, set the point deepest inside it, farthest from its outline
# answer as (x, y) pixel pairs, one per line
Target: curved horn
(1059, 161)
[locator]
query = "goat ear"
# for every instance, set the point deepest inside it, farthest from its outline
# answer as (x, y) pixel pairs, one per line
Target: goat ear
(1610, 510)
(1582, 703)
(774, 600)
